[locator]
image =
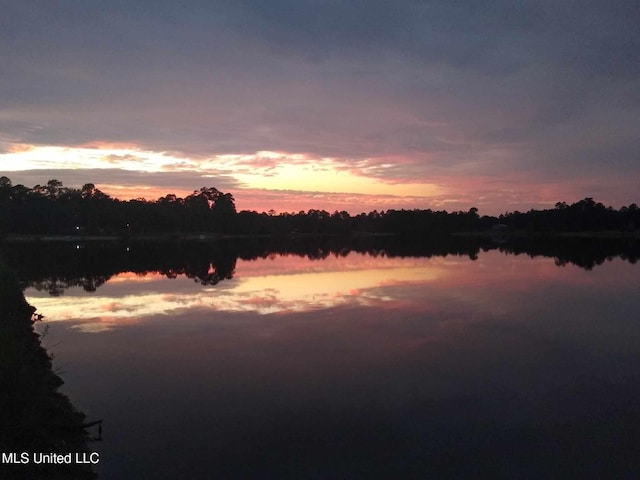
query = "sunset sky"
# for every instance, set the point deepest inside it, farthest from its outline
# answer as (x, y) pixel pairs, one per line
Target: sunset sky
(337, 105)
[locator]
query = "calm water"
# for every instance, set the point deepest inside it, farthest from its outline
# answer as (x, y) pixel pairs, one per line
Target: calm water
(357, 366)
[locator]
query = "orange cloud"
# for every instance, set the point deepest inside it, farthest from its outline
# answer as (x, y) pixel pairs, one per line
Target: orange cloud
(107, 145)
(20, 148)
(147, 192)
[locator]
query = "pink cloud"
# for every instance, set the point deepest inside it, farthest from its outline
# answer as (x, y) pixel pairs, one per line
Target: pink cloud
(294, 201)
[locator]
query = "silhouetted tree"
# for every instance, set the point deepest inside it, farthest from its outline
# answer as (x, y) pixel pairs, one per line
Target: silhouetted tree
(55, 209)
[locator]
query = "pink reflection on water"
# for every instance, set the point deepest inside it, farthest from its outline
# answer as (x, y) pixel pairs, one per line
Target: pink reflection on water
(281, 284)
(504, 342)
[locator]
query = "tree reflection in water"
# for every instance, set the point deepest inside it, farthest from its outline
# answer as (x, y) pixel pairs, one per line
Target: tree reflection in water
(55, 267)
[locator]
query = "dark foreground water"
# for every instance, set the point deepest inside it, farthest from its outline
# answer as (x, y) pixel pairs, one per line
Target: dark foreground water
(355, 366)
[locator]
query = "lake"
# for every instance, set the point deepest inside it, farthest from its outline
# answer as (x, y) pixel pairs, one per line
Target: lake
(357, 362)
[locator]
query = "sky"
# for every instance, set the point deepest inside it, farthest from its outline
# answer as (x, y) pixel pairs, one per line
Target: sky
(339, 105)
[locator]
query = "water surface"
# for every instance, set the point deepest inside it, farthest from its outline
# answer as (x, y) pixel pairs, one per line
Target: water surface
(356, 365)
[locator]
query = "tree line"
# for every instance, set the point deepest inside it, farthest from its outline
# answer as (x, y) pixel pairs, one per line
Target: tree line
(58, 210)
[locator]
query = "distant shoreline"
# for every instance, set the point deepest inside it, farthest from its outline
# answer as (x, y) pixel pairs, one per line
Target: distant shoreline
(34, 238)
(604, 234)
(37, 238)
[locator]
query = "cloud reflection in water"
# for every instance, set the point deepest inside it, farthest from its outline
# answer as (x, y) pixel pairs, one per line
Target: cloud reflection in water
(443, 365)
(129, 298)
(280, 284)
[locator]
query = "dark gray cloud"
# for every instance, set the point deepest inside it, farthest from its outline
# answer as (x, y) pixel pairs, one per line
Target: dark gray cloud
(547, 88)
(167, 182)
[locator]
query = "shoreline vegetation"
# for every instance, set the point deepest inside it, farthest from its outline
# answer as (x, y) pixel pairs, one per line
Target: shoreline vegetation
(206, 236)
(35, 238)
(53, 212)
(35, 417)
